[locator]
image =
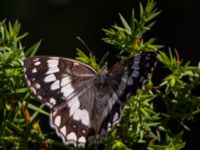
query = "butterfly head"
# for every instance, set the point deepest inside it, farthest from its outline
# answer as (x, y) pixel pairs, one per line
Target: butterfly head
(102, 78)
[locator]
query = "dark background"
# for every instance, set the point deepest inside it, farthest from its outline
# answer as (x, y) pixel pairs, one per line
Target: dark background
(58, 22)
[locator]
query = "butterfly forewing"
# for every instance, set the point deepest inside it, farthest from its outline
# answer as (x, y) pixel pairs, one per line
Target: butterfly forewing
(49, 77)
(130, 74)
(85, 105)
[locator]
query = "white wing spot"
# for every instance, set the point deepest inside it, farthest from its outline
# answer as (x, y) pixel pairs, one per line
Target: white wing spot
(83, 131)
(76, 64)
(116, 117)
(50, 78)
(34, 70)
(55, 58)
(63, 130)
(109, 126)
(37, 63)
(37, 85)
(83, 116)
(65, 80)
(72, 136)
(54, 112)
(135, 74)
(67, 90)
(53, 70)
(128, 94)
(82, 139)
(135, 66)
(112, 99)
(137, 59)
(55, 85)
(52, 101)
(52, 63)
(57, 121)
(74, 105)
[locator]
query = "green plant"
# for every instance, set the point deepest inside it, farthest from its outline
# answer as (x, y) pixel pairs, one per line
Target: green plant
(143, 125)
(19, 121)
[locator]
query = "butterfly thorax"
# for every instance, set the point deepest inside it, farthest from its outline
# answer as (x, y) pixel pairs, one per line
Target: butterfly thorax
(101, 105)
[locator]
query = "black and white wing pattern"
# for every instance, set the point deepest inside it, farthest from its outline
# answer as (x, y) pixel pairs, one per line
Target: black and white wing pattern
(85, 104)
(127, 77)
(66, 86)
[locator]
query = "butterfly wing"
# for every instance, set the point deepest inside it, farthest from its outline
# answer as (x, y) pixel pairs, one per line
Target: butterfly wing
(64, 84)
(78, 104)
(127, 77)
(72, 120)
(130, 74)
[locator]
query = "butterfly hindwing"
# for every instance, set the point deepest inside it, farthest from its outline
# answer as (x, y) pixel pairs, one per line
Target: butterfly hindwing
(72, 120)
(110, 120)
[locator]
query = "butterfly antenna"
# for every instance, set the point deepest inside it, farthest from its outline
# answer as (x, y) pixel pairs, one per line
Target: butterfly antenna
(83, 43)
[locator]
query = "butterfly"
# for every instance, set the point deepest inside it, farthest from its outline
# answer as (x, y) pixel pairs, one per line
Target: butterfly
(85, 104)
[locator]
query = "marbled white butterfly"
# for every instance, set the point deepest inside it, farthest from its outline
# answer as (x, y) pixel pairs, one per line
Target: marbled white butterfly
(85, 104)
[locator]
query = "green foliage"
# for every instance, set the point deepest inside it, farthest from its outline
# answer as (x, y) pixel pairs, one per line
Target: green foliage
(91, 59)
(147, 117)
(143, 123)
(179, 86)
(19, 129)
(174, 143)
(88, 59)
(129, 38)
